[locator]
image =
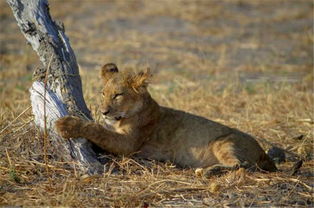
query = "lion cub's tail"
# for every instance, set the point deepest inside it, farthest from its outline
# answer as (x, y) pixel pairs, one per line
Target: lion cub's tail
(266, 163)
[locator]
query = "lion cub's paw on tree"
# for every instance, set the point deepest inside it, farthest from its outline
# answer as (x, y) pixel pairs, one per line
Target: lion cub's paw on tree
(133, 122)
(69, 126)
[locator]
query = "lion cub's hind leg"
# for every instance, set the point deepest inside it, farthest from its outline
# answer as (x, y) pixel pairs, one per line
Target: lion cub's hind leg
(228, 157)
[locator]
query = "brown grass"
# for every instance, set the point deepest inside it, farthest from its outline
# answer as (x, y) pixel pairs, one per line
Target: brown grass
(247, 64)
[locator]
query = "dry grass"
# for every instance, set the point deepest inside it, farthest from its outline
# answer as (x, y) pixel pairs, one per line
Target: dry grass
(247, 64)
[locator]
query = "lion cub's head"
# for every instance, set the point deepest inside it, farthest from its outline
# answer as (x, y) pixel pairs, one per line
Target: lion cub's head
(124, 93)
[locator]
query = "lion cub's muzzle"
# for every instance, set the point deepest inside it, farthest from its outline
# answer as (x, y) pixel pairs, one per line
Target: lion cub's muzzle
(117, 118)
(106, 114)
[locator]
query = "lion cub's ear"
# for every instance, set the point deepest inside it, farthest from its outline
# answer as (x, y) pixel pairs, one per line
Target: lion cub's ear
(108, 70)
(141, 80)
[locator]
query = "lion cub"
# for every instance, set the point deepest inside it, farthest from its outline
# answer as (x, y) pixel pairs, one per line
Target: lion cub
(135, 124)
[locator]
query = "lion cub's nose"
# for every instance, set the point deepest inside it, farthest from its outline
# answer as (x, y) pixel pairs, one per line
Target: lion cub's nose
(105, 112)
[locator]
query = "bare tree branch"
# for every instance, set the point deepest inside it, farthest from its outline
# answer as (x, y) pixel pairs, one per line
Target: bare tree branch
(63, 88)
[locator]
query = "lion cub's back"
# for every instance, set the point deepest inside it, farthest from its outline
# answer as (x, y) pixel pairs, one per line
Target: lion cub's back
(189, 141)
(183, 138)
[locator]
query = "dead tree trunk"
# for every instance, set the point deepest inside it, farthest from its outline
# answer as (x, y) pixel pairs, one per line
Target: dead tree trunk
(57, 89)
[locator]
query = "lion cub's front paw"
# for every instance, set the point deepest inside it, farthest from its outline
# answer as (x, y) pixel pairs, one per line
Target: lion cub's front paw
(69, 127)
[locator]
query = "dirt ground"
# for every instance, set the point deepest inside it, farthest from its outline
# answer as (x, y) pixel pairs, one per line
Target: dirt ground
(246, 64)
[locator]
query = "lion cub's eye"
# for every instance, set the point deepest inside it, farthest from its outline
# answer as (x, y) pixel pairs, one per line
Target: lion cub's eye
(117, 95)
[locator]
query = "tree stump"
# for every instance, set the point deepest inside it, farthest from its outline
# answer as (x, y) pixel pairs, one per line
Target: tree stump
(57, 89)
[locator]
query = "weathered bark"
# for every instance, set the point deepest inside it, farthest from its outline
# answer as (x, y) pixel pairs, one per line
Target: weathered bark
(63, 83)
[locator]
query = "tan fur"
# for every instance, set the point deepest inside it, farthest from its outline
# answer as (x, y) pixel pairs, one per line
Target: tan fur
(136, 124)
